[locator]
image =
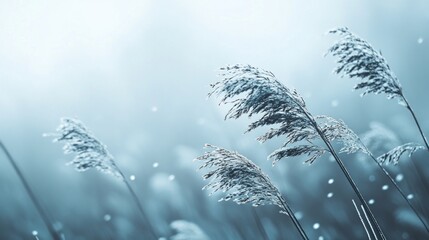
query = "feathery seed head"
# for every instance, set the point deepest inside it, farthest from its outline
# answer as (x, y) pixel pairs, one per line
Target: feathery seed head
(89, 151)
(238, 177)
(256, 91)
(395, 154)
(357, 58)
(337, 130)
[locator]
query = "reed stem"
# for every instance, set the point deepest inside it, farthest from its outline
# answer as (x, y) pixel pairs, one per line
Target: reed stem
(351, 181)
(295, 221)
(362, 221)
(400, 191)
(54, 234)
(140, 207)
(417, 123)
(345, 171)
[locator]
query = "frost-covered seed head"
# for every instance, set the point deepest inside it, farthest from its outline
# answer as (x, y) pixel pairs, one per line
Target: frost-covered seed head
(395, 154)
(89, 151)
(240, 179)
(256, 91)
(357, 58)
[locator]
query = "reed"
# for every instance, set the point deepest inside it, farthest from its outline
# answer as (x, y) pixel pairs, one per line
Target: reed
(242, 181)
(91, 153)
(256, 91)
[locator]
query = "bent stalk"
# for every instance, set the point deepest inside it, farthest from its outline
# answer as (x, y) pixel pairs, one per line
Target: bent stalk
(54, 234)
(400, 191)
(417, 122)
(140, 207)
(346, 172)
(295, 221)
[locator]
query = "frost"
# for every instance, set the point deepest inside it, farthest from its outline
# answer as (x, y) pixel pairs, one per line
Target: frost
(395, 154)
(241, 180)
(255, 91)
(356, 58)
(89, 151)
(337, 130)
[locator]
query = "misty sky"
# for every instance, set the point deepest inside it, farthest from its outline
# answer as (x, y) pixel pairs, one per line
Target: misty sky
(138, 72)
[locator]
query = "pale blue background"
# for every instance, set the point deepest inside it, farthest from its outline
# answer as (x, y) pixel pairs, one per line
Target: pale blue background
(137, 73)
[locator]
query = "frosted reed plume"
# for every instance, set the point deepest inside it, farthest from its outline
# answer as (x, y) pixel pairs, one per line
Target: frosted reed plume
(91, 153)
(337, 130)
(381, 136)
(356, 58)
(187, 231)
(395, 154)
(255, 91)
(242, 181)
(88, 150)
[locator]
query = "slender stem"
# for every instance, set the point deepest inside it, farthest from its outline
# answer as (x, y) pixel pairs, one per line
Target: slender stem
(367, 220)
(400, 191)
(140, 207)
(30, 192)
(345, 171)
(351, 181)
(419, 174)
(417, 122)
(293, 218)
(343, 168)
(259, 224)
(362, 221)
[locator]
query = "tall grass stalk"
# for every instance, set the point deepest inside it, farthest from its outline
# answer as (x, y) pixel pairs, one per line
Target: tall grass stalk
(91, 153)
(350, 179)
(379, 135)
(257, 91)
(243, 182)
(401, 192)
(358, 59)
(140, 207)
(364, 223)
(49, 224)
